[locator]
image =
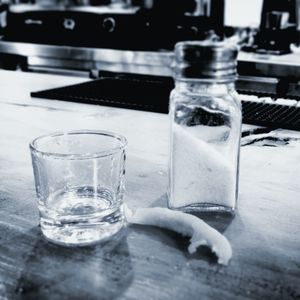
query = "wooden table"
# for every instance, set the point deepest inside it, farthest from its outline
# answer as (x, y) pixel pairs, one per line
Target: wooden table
(146, 263)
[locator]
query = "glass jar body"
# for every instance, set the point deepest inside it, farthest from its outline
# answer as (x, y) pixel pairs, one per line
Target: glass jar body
(204, 146)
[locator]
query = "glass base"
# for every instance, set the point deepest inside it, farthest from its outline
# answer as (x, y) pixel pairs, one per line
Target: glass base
(205, 208)
(217, 216)
(81, 216)
(83, 231)
(80, 237)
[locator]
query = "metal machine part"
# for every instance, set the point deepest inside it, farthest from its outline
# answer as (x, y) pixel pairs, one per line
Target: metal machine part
(274, 76)
(279, 27)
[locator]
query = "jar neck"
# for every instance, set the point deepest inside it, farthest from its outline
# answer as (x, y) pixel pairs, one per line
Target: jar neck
(206, 87)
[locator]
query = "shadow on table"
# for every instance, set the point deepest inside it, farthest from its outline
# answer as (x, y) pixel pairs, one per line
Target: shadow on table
(103, 271)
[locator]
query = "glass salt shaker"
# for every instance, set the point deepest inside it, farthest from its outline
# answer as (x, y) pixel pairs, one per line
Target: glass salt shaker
(205, 115)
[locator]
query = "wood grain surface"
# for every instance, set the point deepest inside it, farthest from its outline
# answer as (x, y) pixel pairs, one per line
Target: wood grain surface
(144, 262)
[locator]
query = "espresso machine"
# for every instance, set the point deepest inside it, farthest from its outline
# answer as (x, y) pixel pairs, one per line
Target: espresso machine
(128, 25)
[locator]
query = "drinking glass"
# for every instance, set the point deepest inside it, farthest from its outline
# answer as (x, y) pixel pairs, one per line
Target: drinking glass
(79, 180)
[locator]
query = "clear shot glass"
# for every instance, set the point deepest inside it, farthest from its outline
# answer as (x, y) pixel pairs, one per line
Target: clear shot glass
(79, 180)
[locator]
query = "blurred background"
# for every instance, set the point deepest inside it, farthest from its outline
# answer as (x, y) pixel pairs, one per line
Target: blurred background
(89, 38)
(83, 36)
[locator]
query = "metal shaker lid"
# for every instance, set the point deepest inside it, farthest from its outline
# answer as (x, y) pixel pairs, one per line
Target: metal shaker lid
(206, 60)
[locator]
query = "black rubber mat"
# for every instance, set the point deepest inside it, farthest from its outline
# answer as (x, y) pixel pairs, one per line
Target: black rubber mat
(146, 93)
(271, 115)
(151, 93)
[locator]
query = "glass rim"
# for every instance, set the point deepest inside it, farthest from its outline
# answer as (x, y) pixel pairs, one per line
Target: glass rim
(76, 156)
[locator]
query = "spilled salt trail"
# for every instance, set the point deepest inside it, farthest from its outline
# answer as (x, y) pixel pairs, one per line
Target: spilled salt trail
(200, 174)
